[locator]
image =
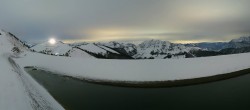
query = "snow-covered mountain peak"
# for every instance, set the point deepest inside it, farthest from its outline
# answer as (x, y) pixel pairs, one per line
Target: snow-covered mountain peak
(115, 44)
(240, 42)
(162, 49)
(125, 48)
(154, 43)
(242, 39)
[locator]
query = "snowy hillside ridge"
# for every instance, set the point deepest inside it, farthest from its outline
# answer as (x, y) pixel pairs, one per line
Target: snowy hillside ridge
(9, 40)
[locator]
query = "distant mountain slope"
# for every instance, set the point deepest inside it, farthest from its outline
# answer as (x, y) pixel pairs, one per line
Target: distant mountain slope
(239, 43)
(226, 51)
(235, 50)
(210, 46)
(93, 48)
(83, 50)
(217, 46)
(59, 48)
(75, 52)
(125, 48)
(101, 51)
(157, 49)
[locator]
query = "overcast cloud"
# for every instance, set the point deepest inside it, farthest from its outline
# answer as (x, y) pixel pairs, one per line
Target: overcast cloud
(126, 20)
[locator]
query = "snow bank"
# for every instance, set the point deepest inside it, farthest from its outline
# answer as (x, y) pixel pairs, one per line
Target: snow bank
(138, 70)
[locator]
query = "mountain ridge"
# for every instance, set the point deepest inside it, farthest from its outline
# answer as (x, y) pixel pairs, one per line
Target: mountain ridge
(148, 49)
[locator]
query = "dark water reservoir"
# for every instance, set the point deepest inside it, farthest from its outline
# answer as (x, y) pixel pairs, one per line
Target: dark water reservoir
(230, 94)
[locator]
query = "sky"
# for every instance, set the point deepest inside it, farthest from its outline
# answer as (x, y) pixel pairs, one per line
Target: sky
(182, 21)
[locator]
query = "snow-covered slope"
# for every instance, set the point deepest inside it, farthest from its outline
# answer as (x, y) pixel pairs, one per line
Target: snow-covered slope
(8, 41)
(59, 48)
(75, 52)
(94, 48)
(18, 91)
(82, 50)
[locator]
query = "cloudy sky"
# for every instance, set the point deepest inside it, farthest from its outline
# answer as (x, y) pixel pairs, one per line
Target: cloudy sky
(126, 20)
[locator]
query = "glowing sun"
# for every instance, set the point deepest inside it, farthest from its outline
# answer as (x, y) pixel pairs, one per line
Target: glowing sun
(52, 41)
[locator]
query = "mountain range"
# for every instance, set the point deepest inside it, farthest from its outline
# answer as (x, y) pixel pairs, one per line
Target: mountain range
(149, 49)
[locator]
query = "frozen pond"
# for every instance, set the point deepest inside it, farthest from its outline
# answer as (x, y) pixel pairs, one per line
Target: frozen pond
(74, 94)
